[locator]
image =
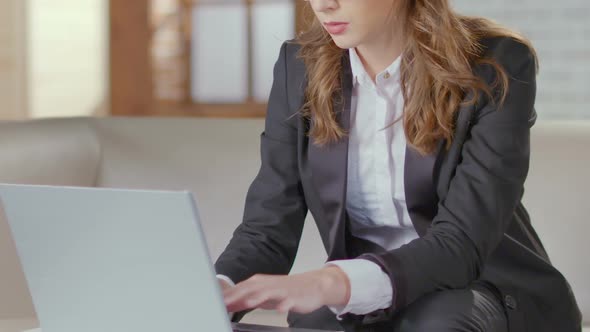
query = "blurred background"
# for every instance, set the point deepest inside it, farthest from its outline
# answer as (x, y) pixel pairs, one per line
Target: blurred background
(171, 94)
(215, 57)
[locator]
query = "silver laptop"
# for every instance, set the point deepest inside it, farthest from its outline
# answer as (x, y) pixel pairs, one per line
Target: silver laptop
(116, 260)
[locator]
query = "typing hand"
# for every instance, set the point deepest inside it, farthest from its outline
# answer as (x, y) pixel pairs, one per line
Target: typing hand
(224, 286)
(302, 293)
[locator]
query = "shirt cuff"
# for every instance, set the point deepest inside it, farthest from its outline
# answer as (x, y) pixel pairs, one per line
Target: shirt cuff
(370, 287)
(226, 279)
(229, 281)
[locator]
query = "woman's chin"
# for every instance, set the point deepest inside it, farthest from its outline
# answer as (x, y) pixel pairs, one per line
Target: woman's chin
(343, 42)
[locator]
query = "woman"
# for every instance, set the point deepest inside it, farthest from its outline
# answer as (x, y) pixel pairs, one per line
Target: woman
(404, 128)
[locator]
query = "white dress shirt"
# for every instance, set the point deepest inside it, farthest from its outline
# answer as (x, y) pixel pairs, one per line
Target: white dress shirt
(375, 196)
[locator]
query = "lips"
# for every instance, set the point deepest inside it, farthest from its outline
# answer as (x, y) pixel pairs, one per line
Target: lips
(336, 28)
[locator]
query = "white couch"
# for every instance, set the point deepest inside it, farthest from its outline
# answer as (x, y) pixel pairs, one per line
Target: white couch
(218, 158)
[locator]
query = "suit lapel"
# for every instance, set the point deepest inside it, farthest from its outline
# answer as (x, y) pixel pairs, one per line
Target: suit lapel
(451, 158)
(419, 186)
(329, 164)
(427, 178)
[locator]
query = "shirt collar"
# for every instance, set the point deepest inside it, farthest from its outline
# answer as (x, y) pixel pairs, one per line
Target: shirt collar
(360, 74)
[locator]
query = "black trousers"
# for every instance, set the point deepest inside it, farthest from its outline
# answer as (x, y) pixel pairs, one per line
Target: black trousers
(476, 308)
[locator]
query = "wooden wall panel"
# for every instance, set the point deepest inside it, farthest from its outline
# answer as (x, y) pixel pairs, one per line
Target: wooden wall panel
(131, 90)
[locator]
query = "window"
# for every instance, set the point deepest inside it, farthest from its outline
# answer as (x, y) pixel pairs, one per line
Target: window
(207, 57)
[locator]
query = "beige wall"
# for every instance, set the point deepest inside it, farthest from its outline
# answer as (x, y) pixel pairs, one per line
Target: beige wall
(12, 59)
(53, 58)
(68, 56)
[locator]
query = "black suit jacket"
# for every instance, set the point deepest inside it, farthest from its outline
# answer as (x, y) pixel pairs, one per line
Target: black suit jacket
(467, 209)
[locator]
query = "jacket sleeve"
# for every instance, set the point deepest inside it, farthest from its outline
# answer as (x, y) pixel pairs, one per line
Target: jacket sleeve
(482, 195)
(267, 239)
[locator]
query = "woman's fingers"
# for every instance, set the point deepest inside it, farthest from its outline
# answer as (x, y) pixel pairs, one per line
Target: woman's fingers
(253, 294)
(235, 298)
(283, 293)
(284, 306)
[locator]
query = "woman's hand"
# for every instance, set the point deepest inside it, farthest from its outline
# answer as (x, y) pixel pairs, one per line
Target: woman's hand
(224, 284)
(302, 293)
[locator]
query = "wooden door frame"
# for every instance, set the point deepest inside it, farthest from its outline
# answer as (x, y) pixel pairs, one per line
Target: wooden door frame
(130, 81)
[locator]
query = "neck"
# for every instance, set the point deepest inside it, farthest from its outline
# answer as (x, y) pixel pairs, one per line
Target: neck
(377, 56)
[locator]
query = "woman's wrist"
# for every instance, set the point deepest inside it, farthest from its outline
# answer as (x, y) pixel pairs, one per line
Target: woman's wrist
(335, 286)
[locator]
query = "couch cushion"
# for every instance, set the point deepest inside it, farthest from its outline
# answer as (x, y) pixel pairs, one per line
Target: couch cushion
(556, 195)
(52, 152)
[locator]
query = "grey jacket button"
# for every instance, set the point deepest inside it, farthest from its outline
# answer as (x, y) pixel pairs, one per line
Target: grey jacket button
(510, 302)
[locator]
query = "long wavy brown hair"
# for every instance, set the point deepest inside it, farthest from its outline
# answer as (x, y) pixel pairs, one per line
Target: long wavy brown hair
(441, 49)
